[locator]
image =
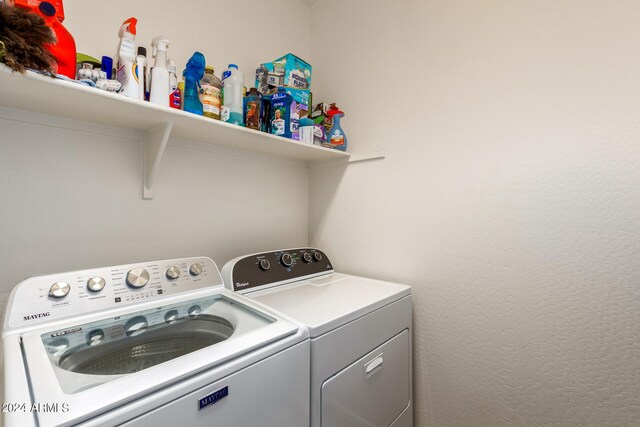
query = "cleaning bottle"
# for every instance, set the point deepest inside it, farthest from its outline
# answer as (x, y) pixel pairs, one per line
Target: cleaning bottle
(281, 113)
(141, 63)
(159, 92)
(174, 97)
(253, 109)
(336, 136)
(192, 76)
(210, 88)
(126, 67)
(306, 130)
(232, 81)
(181, 91)
(265, 118)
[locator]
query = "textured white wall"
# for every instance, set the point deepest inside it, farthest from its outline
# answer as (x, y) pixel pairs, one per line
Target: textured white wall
(508, 200)
(243, 32)
(70, 193)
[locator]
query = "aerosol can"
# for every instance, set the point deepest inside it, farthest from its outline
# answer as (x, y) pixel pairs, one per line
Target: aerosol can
(160, 89)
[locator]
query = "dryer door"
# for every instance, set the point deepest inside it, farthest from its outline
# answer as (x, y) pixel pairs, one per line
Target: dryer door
(373, 391)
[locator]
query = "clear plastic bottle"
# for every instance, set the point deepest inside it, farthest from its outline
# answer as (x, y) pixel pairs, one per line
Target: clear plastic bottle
(233, 81)
(210, 88)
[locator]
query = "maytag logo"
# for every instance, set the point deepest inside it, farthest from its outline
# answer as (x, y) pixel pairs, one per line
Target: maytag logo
(212, 398)
(36, 316)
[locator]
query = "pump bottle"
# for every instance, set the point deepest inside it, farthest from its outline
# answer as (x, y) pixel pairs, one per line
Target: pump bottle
(160, 89)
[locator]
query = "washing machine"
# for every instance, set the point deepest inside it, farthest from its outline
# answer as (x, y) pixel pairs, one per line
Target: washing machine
(360, 332)
(150, 344)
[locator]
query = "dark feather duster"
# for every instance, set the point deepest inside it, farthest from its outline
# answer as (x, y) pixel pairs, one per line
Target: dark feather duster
(24, 35)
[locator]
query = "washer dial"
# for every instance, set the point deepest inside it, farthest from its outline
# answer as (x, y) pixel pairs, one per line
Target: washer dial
(96, 284)
(307, 257)
(195, 269)
(137, 278)
(286, 260)
(59, 290)
(172, 273)
(265, 264)
(317, 256)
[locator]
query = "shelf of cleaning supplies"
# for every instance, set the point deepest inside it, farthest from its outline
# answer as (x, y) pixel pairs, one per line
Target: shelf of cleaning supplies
(40, 94)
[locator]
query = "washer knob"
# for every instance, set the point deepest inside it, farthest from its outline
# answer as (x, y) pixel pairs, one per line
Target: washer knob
(195, 269)
(59, 290)
(96, 284)
(286, 260)
(307, 257)
(265, 264)
(317, 256)
(172, 272)
(137, 278)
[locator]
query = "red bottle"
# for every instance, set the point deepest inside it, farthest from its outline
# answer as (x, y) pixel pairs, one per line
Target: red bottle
(65, 49)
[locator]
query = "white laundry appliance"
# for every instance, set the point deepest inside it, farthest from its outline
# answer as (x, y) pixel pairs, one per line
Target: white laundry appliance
(360, 331)
(150, 344)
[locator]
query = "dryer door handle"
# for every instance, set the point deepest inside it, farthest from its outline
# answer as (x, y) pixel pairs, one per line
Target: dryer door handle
(373, 366)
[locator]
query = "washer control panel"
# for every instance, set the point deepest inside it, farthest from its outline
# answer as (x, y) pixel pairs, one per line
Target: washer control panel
(45, 298)
(269, 268)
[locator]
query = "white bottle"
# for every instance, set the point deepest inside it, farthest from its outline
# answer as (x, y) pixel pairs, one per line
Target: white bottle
(173, 77)
(233, 82)
(160, 90)
(125, 60)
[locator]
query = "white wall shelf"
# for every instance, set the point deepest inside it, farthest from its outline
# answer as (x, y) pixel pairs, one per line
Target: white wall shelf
(40, 94)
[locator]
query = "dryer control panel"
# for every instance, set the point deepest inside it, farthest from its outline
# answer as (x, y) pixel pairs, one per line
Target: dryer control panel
(268, 269)
(41, 299)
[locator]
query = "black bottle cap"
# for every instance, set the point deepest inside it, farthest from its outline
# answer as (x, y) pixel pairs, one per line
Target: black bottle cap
(142, 51)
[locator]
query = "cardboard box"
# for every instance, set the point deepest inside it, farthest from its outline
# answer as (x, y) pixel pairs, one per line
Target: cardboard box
(289, 71)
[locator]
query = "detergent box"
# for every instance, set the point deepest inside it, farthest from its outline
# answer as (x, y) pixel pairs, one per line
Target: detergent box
(298, 110)
(288, 71)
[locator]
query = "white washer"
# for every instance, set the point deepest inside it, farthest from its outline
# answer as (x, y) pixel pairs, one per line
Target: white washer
(149, 344)
(360, 332)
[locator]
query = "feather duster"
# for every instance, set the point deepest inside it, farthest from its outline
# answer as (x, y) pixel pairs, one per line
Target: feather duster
(24, 35)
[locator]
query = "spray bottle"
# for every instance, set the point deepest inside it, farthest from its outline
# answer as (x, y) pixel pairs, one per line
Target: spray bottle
(192, 76)
(126, 67)
(159, 93)
(336, 135)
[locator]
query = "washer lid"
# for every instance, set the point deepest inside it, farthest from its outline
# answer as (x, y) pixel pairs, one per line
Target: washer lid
(328, 302)
(107, 362)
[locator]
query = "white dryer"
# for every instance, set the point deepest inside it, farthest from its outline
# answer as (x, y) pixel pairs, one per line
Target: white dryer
(150, 344)
(360, 332)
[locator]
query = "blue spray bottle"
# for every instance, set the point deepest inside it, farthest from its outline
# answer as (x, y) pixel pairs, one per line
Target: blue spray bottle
(336, 135)
(192, 76)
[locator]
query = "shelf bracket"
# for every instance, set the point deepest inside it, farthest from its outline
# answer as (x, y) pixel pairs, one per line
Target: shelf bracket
(155, 142)
(361, 157)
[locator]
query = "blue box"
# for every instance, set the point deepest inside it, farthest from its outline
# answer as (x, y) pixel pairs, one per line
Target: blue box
(289, 71)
